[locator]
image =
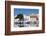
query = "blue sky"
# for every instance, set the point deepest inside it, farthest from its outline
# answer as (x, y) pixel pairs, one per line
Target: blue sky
(25, 11)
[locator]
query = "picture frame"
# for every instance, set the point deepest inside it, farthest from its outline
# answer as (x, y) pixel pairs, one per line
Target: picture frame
(13, 8)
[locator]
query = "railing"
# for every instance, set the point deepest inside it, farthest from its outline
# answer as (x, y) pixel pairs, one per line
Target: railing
(26, 22)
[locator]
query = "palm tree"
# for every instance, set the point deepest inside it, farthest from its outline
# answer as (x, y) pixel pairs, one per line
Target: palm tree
(21, 18)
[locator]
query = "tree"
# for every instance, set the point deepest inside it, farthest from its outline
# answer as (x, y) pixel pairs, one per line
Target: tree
(21, 18)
